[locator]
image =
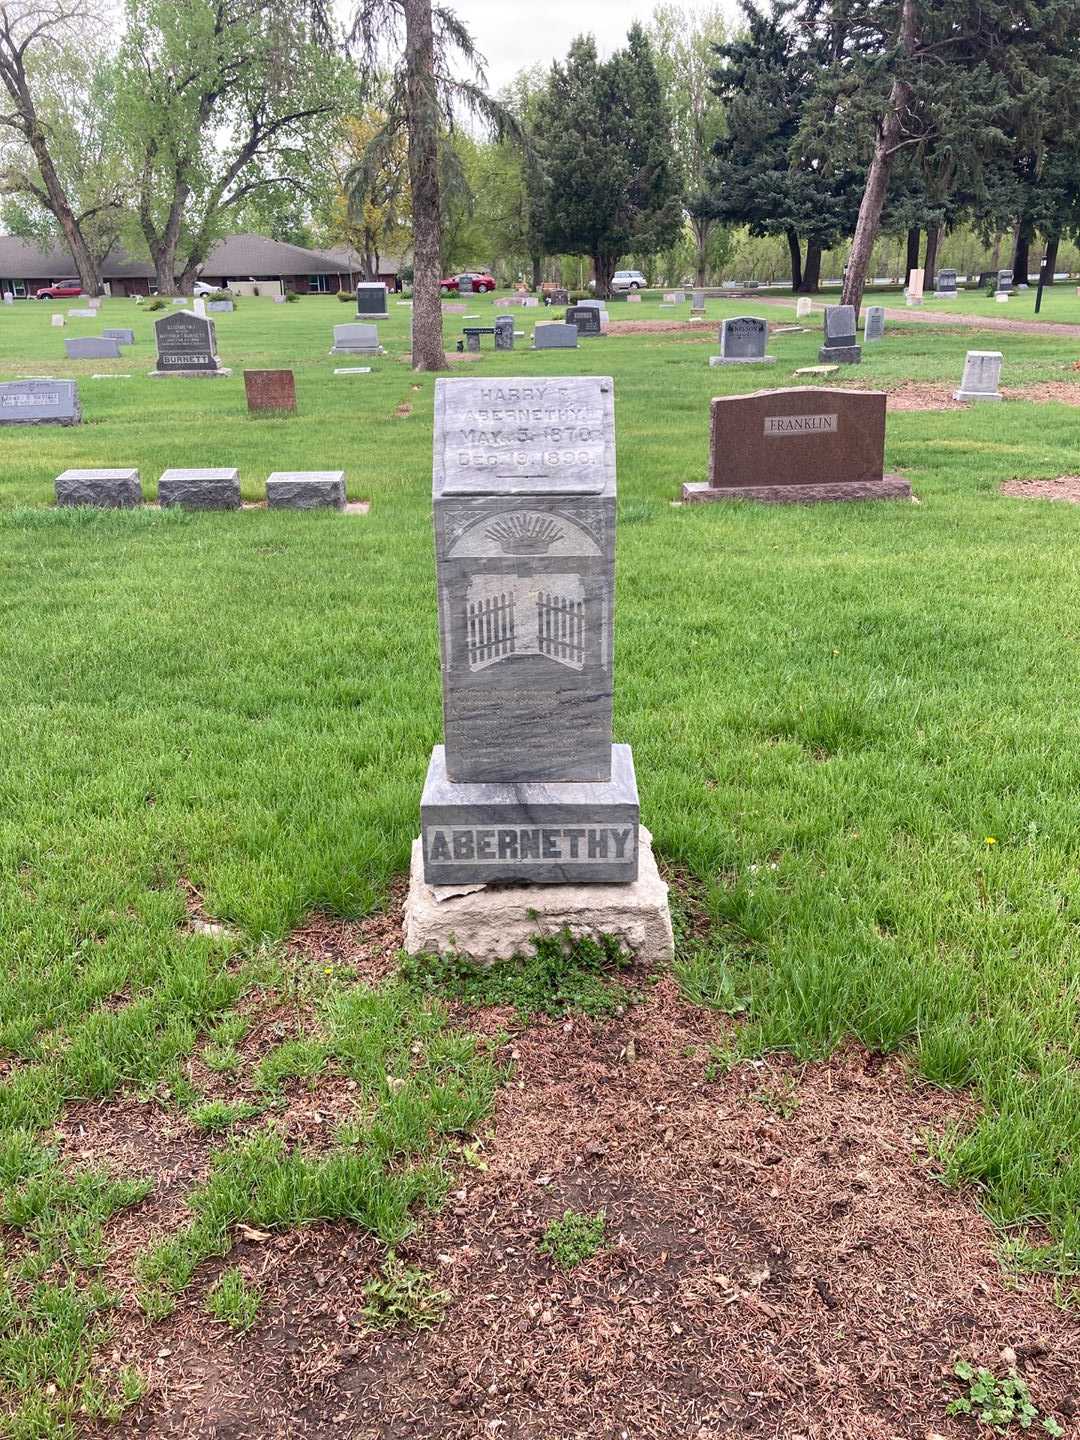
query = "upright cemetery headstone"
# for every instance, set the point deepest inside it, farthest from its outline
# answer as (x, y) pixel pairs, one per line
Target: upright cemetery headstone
(92, 347)
(39, 402)
(465, 285)
(982, 374)
(874, 327)
(58, 322)
(106, 489)
(742, 342)
(200, 489)
(220, 307)
(356, 340)
(273, 390)
(803, 306)
(697, 303)
(945, 289)
(798, 445)
(186, 345)
(586, 318)
(559, 296)
(371, 300)
(1004, 281)
(841, 347)
(553, 336)
(528, 785)
(915, 287)
(504, 332)
(198, 307)
(9, 298)
(122, 337)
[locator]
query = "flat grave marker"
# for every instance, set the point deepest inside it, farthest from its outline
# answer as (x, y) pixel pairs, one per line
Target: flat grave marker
(39, 402)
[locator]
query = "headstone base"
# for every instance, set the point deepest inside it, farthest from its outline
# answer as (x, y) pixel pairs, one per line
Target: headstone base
(910, 301)
(975, 395)
(189, 374)
(742, 359)
(889, 487)
(496, 922)
(840, 354)
(546, 833)
(945, 294)
(367, 351)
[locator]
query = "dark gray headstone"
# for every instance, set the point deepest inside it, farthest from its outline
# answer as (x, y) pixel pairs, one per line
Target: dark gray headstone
(743, 340)
(553, 336)
(39, 402)
(122, 337)
(874, 327)
(504, 332)
(559, 297)
(200, 489)
(371, 299)
(107, 489)
(946, 282)
(1004, 280)
(305, 489)
(586, 318)
(92, 347)
(529, 785)
(186, 342)
(465, 285)
(840, 340)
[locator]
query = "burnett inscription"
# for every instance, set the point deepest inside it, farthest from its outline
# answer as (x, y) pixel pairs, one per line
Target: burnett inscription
(598, 843)
(800, 424)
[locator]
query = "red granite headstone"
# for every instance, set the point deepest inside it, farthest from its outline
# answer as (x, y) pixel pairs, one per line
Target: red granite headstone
(270, 390)
(801, 444)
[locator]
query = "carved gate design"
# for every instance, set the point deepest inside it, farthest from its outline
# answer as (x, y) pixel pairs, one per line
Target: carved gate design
(506, 615)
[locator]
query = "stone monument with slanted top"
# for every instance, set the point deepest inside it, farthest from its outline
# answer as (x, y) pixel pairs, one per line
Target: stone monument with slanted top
(186, 346)
(796, 446)
(742, 342)
(40, 402)
(841, 347)
(528, 786)
(982, 374)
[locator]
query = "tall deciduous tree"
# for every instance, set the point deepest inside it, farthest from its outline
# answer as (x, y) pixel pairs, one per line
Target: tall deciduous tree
(36, 37)
(611, 182)
(219, 99)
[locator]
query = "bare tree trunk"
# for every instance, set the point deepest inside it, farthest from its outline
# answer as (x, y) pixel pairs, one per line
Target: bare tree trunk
(914, 240)
(537, 271)
(604, 268)
(795, 251)
(423, 118)
(1050, 260)
(85, 264)
(702, 227)
(877, 179)
(811, 275)
(933, 239)
(1022, 255)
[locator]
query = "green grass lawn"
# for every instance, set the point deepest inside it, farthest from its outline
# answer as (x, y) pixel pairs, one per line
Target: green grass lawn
(855, 726)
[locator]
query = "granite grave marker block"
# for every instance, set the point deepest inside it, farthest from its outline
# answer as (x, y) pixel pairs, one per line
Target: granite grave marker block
(841, 345)
(356, 340)
(945, 289)
(270, 390)
(982, 374)
(803, 306)
(91, 347)
(504, 332)
(528, 785)
(305, 489)
(914, 293)
(122, 337)
(742, 342)
(553, 336)
(39, 402)
(58, 322)
(586, 318)
(186, 345)
(106, 489)
(220, 307)
(1004, 281)
(874, 325)
(371, 300)
(465, 285)
(798, 445)
(559, 296)
(201, 489)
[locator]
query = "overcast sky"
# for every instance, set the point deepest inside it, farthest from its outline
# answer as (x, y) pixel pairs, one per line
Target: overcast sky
(513, 36)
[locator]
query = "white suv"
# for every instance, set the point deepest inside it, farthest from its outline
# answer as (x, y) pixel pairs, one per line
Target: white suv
(628, 280)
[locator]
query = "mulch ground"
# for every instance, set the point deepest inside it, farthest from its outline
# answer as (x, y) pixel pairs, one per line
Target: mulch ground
(1066, 487)
(780, 1261)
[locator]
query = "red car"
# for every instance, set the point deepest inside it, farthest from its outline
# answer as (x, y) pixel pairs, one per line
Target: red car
(481, 282)
(62, 290)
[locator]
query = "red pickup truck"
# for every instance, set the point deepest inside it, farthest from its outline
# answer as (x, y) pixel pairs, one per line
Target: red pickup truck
(62, 290)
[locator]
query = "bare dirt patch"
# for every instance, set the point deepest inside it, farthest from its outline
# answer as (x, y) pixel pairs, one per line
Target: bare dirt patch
(1065, 392)
(780, 1261)
(1066, 487)
(915, 396)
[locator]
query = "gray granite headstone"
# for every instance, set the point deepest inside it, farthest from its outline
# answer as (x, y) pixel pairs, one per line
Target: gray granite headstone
(200, 489)
(559, 296)
(697, 302)
(92, 347)
(528, 785)
(742, 342)
(840, 340)
(106, 489)
(219, 307)
(553, 336)
(874, 327)
(1004, 280)
(586, 318)
(465, 286)
(122, 337)
(371, 300)
(982, 373)
(504, 332)
(356, 340)
(186, 343)
(39, 402)
(305, 489)
(946, 284)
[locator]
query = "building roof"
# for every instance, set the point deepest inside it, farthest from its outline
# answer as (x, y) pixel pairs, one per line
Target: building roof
(236, 255)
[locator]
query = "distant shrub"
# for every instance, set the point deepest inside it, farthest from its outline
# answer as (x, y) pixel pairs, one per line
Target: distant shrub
(346, 297)
(221, 295)
(157, 303)
(291, 297)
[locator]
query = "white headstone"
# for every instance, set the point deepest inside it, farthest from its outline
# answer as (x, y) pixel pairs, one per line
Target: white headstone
(982, 371)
